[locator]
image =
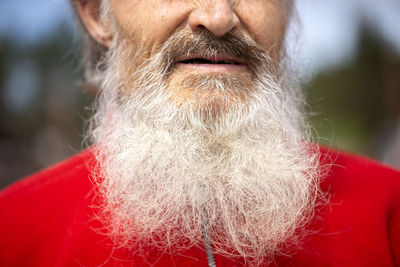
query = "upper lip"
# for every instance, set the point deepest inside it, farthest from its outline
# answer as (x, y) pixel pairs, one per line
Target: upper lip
(217, 58)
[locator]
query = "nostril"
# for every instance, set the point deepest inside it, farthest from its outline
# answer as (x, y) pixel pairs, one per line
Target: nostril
(217, 18)
(201, 28)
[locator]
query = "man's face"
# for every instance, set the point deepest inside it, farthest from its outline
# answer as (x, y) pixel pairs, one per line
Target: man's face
(198, 124)
(148, 24)
(151, 22)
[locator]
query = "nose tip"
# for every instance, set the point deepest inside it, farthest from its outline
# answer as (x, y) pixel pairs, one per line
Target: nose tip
(217, 16)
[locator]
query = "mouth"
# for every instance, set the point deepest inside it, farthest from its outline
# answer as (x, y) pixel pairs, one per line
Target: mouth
(220, 63)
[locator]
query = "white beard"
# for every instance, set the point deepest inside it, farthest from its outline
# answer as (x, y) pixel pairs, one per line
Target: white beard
(168, 170)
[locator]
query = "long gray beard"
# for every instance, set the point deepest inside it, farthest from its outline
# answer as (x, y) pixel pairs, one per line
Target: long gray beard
(168, 170)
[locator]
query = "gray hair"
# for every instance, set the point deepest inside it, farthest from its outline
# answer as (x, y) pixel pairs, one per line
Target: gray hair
(93, 53)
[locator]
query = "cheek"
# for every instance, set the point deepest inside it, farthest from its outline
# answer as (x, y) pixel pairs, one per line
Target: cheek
(265, 22)
(149, 22)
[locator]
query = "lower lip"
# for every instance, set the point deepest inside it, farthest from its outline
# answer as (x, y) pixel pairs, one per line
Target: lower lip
(231, 68)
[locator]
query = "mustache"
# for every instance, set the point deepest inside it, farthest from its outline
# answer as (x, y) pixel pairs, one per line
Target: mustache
(204, 43)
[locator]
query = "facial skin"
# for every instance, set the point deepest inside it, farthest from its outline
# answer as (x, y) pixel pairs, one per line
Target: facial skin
(150, 23)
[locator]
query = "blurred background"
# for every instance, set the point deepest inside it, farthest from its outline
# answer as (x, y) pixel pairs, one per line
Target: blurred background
(348, 55)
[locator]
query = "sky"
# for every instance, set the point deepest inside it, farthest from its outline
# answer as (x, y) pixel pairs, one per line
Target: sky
(29, 21)
(329, 27)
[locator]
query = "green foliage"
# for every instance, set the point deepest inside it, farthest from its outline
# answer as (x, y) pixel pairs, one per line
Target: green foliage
(350, 101)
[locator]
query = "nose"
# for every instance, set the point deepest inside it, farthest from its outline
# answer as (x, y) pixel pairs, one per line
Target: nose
(217, 16)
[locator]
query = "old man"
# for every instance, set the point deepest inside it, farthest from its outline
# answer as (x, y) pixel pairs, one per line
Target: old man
(201, 154)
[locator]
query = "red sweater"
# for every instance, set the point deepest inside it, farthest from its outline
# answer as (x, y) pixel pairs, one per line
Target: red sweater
(47, 220)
